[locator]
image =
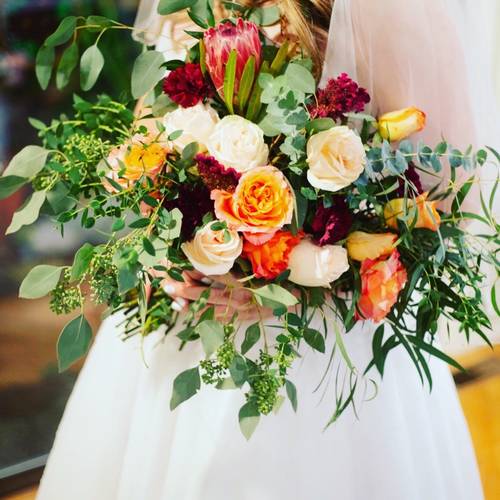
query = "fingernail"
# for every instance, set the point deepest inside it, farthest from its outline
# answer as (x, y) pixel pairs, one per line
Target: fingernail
(169, 289)
(182, 303)
(206, 281)
(176, 307)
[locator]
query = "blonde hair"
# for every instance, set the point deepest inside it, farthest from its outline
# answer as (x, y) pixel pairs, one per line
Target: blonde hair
(307, 20)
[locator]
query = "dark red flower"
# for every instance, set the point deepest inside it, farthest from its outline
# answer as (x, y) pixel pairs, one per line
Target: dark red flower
(341, 95)
(215, 175)
(194, 202)
(415, 184)
(186, 85)
(331, 224)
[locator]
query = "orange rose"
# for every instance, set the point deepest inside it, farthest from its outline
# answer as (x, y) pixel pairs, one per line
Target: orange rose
(426, 212)
(361, 245)
(271, 259)
(398, 125)
(381, 282)
(134, 159)
(262, 203)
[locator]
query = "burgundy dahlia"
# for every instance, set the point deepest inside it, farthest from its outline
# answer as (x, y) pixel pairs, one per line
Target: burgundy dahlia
(331, 224)
(220, 41)
(415, 184)
(215, 175)
(194, 202)
(341, 95)
(186, 85)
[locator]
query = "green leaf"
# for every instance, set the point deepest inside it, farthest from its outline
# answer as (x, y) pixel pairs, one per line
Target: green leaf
(127, 279)
(186, 385)
(246, 82)
(101, 21)
(252, 336)
(63, 32)
(40, 281)
(238, 370)
(91, 64)
(320, 124)
(67, 64)
(28, 213)
(265, 16)
(59, 198)
(291, 392)
(212, 335)
(166, 7)
(28, 162)
(82, 261)
(147, 72)
(43, 65)
(274, 294)
(10, 184)
(229, 80)
(248, 417)
(162, 106)
(299, 78)
(74, 342)
(148, 246)
(118, 225)
(314, 339)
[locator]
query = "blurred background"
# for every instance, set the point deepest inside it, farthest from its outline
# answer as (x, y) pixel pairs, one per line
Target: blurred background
(32, 393)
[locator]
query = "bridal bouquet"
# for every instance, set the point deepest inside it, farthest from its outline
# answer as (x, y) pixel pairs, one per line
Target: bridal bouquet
(240, 169)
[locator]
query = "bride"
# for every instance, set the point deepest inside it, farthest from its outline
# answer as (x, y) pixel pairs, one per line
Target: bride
(118, 438)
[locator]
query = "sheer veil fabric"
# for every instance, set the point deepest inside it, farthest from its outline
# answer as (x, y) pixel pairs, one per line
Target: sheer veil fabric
(118, 438)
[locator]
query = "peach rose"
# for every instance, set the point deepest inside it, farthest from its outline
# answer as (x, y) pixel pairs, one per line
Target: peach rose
(426, 212)
(134, 159)
(362, 246)
(271, 258)
(336, 158)
(381, 282)
(261, 204)
(398, 125)
(213, 252)
(312, 265)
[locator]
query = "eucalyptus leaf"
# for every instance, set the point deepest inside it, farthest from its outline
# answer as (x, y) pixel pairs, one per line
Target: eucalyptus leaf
(167, 7)
(299, 78)
(248, 417)
(28, 162)
(67, 64)
(274, 294)
(186, 385)
(162, 106)
(74, 342)
(91, 64)
(43, 65)
(252, 336)
(291, 392)
(28, 213)
(238, 370)
(40, 281)
(265, 16)
(63, 32)
(212, 336)
(10, 184)
(147, 72)
(82, 260)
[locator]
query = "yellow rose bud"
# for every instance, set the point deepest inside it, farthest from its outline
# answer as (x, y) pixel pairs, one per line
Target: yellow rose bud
(426, 212)
(362, 246)
(398, 125)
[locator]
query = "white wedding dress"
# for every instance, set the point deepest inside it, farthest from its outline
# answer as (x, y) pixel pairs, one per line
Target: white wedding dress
(118, 439)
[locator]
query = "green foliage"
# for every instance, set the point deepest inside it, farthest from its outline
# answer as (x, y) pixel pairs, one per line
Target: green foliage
(40, 281)
(147, 72)
(74, 342)
(186, 385)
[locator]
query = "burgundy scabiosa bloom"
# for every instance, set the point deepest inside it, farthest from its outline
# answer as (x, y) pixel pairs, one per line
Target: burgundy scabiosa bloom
(220, 41)
(194, 202)
(340, 95)
(186, 85)
(215, 175)
(331, 224)
(415, 184)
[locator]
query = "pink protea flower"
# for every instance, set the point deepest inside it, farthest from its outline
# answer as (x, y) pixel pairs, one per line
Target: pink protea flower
(220, 41)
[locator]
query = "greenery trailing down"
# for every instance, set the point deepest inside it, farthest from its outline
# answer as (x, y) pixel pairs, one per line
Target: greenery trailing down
(92, 169)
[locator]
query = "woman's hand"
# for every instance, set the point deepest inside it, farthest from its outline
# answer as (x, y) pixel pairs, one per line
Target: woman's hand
(227, 295)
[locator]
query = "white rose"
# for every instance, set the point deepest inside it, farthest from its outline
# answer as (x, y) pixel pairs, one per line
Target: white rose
(312, 265)
(197, 124)
(336, 158)
(213, 252)
(238, 143)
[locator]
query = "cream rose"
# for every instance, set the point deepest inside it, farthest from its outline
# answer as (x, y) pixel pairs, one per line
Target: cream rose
(213, 252)
(238, 143)
(312, 265)
(336, 158)
(197, 124)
